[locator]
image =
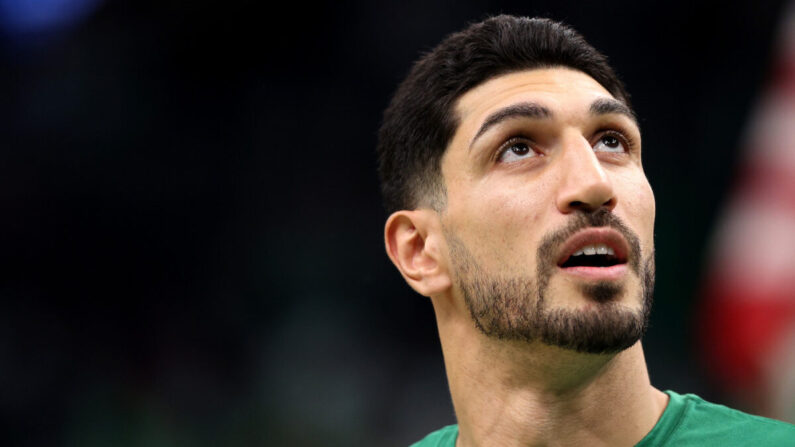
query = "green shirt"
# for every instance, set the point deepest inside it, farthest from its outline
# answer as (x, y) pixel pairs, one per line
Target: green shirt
(688, 420)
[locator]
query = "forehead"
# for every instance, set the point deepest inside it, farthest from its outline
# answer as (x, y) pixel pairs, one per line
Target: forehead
(565, 91)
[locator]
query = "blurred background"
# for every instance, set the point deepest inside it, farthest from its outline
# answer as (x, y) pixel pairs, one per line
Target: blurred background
(193, 229)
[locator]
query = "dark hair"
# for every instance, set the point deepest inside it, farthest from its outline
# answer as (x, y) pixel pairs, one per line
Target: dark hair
(419, 122)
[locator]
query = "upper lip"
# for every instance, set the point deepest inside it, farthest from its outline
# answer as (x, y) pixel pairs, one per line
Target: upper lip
(594, 236)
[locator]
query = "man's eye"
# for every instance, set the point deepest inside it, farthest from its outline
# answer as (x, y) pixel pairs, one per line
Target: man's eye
(515, 151)
(609, 143)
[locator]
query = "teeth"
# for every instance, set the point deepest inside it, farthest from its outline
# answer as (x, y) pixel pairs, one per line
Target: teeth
(600, 249)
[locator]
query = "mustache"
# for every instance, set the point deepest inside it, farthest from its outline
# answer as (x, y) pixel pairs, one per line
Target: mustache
(581, 220)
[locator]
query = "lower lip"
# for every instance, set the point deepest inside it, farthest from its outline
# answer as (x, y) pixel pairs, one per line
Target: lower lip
(612, 273)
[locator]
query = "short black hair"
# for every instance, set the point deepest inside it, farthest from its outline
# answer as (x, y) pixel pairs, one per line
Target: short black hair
(420, 121)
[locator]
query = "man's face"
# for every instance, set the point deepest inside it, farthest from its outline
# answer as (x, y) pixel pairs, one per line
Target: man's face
(549, 218)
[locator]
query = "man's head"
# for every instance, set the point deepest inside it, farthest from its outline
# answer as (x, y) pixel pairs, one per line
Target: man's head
(421, 120)
(511, 159)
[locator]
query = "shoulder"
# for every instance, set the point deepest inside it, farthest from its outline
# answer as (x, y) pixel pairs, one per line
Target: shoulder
(444, 437)
(705, 423)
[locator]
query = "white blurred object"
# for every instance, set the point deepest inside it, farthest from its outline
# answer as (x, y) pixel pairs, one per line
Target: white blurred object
(748, 312)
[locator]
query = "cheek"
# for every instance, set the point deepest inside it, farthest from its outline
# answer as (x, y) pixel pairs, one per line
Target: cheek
(647, 203)
(637, 203)
(518, 211)
(500, 225)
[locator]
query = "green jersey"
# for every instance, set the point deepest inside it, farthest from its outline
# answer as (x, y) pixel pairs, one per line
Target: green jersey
(688, 420)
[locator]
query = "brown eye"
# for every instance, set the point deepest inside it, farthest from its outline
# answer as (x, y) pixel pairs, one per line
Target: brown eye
(519, 148)
(515, 151)
(609, 143)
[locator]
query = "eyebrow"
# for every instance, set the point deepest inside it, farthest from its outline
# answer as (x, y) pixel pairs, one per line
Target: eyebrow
(606, 106)
(602, 106)
(522, 109)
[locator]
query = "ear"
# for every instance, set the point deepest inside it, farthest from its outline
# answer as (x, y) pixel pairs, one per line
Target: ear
(414, 242)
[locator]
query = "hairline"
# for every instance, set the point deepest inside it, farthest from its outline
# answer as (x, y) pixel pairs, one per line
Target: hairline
(438, 203)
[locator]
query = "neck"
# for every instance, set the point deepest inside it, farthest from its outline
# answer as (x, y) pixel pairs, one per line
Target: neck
(528, 394)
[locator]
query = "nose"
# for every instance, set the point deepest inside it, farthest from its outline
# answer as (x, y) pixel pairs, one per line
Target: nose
(584, 186)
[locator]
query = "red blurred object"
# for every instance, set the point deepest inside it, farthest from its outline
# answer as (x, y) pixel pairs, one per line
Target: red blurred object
(742, 328)
(748, 308)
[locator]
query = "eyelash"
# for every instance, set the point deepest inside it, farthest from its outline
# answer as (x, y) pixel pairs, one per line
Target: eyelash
(625, 139)
(510, 142)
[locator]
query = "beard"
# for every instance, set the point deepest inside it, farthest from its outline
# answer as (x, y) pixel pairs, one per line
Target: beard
(517, 307)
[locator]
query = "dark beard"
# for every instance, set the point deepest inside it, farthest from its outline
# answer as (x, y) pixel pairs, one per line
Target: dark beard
(515, 308)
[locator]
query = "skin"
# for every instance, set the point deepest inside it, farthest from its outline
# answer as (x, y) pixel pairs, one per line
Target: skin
(500, 204)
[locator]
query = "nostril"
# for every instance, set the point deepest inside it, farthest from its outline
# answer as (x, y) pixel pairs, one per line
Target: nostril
(583, 206)
(576, 204)
(589, 207)
(589, 197)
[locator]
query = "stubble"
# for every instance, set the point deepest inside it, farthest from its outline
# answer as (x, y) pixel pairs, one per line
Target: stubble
(519, 308)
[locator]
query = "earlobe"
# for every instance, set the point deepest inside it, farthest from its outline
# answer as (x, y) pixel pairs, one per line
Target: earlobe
(414, 243)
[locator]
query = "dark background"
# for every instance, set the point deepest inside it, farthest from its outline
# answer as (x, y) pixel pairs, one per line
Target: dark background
(191, 225)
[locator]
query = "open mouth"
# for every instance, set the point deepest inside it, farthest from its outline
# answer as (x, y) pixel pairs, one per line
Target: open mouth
(599, 255)
(594, 248)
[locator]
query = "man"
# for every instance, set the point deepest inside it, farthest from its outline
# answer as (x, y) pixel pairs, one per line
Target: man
(510, 161)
